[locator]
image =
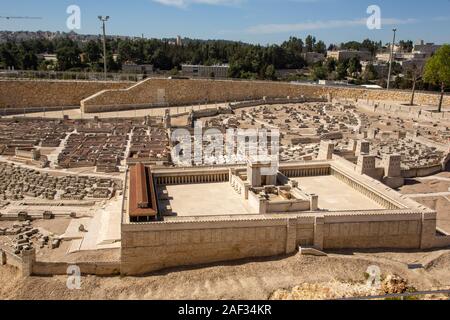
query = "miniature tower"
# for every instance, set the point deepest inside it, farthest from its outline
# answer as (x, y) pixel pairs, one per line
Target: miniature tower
(326, 150)
(366, 164)
(261, 174)
(393, 171)
(392, 165)
(362, 147)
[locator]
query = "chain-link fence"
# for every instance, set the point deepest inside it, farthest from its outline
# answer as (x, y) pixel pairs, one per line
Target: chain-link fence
(67, 75)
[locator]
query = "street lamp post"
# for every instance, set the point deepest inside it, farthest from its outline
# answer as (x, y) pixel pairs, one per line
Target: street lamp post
(391, 61)
(103, 20)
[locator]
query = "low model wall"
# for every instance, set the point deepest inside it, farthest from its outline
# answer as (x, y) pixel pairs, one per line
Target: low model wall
(421, 172)
(151, 247)
(61, 268)
(28, 265)
(152, 92)
(407, 112)
(382, 231)
(39, 94)
(154, 246)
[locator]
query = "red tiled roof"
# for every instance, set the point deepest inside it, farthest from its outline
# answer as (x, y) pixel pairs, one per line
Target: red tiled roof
(142, 195)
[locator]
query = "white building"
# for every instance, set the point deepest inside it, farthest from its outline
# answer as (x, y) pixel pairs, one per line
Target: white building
(342, 55)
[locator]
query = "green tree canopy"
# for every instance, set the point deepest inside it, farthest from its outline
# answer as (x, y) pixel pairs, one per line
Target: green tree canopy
(437, 70)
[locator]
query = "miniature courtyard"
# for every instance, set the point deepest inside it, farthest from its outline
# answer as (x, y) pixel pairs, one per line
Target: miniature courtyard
(335, 195)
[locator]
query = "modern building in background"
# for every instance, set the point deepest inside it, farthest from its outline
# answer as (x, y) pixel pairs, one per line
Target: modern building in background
(427, 49)
(201, 71)
(342, 55)
(137, 68)
(313, 57)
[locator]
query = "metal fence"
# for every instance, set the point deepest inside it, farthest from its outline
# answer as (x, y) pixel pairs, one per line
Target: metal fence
(99, 76)
(67, 75)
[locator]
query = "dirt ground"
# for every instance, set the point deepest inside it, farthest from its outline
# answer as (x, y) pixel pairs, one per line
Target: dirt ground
(242, 280)
(426, 186)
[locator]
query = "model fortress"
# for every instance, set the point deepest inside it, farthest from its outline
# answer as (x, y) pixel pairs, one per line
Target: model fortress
(110, 189)
(216, 214)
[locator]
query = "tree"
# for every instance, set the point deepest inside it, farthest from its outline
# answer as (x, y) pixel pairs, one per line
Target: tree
(332, 47)
(30, 61)
(437, 71)
(406, 46)
(293, 45)
(310, 42)
(330, 64)
(161, 60)
(370, 45)
(370, 73)
(68, 58)
(320, 73)
(354, 66)
(126, 51)
(10, 56)
(414, 73)
(320, 47)
(341, 70)
(270, 73)
(93, 51)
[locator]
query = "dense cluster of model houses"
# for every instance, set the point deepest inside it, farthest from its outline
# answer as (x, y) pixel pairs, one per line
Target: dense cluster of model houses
(301, 130)
(149, 145)
(104, 144)
(414, 155)
(100, 143)
(17, 183)
(21, 137)
(93, 150)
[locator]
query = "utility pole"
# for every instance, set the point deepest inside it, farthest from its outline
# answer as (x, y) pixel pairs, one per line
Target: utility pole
(103, 20)
(391, 61)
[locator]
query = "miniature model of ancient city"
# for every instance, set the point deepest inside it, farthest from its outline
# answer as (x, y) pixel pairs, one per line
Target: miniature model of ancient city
(108, 190)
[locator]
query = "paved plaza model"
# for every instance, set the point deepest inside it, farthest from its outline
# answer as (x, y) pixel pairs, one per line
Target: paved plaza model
(336, 195)
(210, 199)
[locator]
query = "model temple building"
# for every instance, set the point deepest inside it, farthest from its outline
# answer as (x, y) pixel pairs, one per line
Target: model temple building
(142, 196)
(234, 212)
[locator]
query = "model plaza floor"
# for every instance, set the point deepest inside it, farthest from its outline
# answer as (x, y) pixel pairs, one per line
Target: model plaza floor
(209, 199)
(214, 199)
(336, 195)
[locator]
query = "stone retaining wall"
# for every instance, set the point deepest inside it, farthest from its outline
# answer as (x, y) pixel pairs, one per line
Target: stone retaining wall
(184, 92)
(39, 94)
(107, 96)
(155, 246)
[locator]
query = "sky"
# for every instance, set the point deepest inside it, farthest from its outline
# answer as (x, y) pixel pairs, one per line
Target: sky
(253, 21)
